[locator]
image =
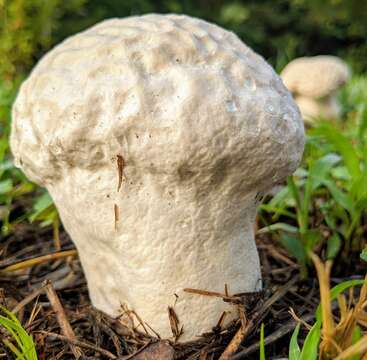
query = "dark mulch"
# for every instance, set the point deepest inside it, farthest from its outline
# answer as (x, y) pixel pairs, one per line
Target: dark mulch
(97, 336)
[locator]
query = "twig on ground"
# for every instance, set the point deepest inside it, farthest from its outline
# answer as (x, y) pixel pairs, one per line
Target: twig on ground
(81, 344)
(61, 318)
(27, 300)
(38, 260)
(276, 254)
(238, 338)
(137, 352)
(258, 315)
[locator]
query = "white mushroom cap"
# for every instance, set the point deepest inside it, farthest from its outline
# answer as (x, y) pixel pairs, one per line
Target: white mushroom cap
(201, 126)
(316, 76)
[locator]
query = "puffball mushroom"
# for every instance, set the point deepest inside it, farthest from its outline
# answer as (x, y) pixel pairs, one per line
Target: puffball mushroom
(314, 82)
(156, 137)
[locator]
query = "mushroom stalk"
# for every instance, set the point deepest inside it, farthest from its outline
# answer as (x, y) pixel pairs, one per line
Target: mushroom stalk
(177, 237)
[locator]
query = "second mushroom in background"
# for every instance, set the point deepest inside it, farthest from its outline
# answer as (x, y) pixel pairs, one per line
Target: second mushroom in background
(314, 81)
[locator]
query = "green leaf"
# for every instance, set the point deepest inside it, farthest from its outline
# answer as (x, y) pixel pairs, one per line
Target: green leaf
(320, 169)
(302, 216)
(5, 165)
(294, 350)
(301, 173)
(278, 226)
(361, 204)
(25, 349)
(334, 244)
(280, 197)
(294, 246)
(342, 198)
(340, 173)
(310, 239)
(311, 344)
(357, 335)
(43, 209)
(363, 254)
(362, 117)
(343, 146)
(6, 186)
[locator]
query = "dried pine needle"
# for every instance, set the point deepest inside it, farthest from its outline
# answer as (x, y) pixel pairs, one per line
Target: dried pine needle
(39, 260)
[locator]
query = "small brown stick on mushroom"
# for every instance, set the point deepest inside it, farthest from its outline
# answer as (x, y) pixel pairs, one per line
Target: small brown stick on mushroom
(211, 294)
(240, 298)
(226, 292)
(116, 210)
(221, 320)
(120, 168)
(61, 318)
(140, 321)
(174, 322)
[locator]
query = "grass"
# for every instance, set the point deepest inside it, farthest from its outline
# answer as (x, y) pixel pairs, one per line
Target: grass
(329, 190)
(262, 343)
(18, 342)
(328, 339)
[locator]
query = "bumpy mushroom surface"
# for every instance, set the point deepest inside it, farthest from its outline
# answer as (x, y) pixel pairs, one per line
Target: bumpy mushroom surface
(156, 137)
(313, 82)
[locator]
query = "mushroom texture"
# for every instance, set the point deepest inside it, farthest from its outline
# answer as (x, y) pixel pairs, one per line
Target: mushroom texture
(156, 137)
(313, 82)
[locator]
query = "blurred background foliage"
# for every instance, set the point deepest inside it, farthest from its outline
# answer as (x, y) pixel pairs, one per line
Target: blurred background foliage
(278, 29)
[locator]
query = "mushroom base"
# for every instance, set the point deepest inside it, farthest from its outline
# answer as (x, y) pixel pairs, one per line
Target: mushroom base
(158, 248)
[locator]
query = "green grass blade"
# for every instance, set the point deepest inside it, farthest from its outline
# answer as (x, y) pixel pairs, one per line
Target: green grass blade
(13, 349)
(294, 350)
(25, 345)
(276, 227)
(343, 146)
(262, 343)
(311, 344)
(336, 290)
(295, 247)
(357, 335)
(334, 244)
(342, 198)
(302, 222)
